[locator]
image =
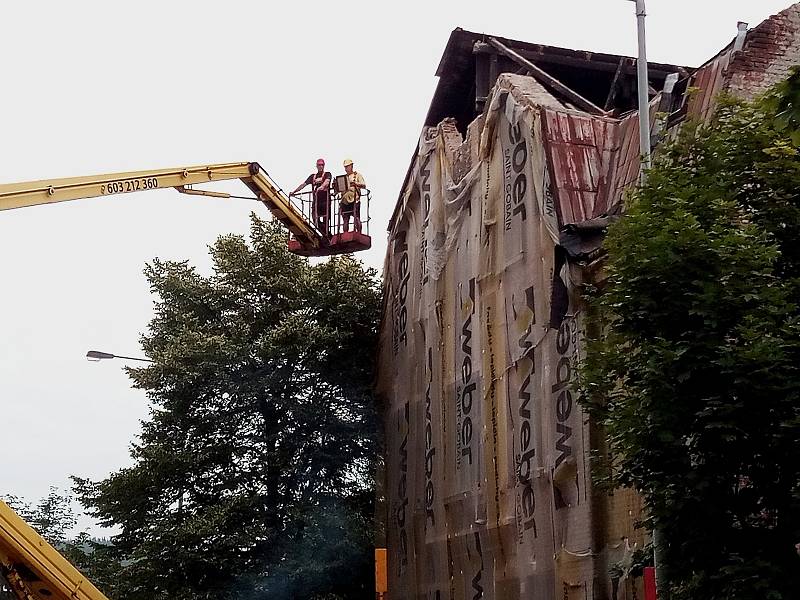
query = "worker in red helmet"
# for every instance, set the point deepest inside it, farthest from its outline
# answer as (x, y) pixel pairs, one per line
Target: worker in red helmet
(350, 204)
(320, 183)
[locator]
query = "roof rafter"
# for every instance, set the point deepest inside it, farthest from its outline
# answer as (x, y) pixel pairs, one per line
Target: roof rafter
(548, 80)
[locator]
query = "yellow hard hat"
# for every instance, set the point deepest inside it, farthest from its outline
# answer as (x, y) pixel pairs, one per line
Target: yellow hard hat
(348, 161)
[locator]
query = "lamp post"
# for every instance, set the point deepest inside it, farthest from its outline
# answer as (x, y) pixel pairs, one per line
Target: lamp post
(97, 355)
(644, 87)
(646, 163)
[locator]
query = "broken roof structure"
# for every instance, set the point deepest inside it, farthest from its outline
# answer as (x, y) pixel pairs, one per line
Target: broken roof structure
(604, 85)
(599, 83)
(589, 81)
(594, 92)
(525, 156)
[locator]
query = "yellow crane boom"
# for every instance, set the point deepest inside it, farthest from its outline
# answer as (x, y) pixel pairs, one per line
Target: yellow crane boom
(46, 191)
(34, 569)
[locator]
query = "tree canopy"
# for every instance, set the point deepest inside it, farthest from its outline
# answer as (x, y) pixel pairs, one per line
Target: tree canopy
(252, 477)
(694, 348)
(52, 516)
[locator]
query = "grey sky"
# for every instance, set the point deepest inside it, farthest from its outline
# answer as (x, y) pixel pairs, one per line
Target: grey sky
(95, 87)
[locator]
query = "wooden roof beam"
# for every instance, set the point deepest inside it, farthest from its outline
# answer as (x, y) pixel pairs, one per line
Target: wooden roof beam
(591, 61)
(612, 91)
(548, 80)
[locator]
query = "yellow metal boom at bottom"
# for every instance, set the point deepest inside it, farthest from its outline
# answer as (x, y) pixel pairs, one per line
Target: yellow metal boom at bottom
(34, 569)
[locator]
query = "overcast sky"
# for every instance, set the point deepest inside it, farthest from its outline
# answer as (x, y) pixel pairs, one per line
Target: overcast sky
(97, 87)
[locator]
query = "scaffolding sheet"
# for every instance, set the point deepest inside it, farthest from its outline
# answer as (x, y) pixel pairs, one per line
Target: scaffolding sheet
(488, 478)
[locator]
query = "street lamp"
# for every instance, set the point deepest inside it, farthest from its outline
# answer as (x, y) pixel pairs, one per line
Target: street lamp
(644, 96)
(646, 162)
(97, 355)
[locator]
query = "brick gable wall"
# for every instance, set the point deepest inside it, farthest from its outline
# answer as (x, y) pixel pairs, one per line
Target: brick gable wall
(771, 49)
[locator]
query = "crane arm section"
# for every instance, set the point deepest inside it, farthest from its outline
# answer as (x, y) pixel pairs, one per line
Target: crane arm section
(33, 569)
(34, 193)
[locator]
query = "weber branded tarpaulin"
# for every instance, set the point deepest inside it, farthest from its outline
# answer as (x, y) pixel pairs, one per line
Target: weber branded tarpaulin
(488, 478)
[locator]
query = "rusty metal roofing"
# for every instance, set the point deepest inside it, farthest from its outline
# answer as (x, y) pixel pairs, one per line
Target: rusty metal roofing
(592, 161)
(706, 85)
(579, 151)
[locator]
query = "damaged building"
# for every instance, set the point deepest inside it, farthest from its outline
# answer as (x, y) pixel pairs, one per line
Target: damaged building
(526, 153)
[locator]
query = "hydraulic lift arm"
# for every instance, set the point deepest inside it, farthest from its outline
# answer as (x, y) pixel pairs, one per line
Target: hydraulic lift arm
(33, 569)
(33, 193)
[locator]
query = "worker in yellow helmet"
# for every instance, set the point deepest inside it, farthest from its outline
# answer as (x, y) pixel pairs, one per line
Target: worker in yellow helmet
(350, 204)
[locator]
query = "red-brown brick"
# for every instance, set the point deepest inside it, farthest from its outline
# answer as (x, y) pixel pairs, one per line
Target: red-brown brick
(770, 51)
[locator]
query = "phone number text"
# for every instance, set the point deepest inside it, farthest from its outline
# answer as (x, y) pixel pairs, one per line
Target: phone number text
(129, 185)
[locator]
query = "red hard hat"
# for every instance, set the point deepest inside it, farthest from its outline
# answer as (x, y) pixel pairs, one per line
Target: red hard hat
(320, 161)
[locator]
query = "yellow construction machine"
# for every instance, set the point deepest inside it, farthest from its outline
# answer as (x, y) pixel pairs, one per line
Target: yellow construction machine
(32, 568)
(305, 238)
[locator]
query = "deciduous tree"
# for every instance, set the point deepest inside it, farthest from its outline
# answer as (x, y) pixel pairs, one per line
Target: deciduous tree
(252, 477)
(694, 351)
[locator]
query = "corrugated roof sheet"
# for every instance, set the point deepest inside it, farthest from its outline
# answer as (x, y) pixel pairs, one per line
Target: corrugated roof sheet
(579, 149)
(708, 82)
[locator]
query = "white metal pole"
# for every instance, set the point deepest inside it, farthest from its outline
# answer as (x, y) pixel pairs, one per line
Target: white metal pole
(646, 163)
(644, 96)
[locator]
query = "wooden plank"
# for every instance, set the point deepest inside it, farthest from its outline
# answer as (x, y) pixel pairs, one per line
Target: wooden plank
(482, 83)
(588, 201)
(607, 154)
(711, 94)
(612, 91)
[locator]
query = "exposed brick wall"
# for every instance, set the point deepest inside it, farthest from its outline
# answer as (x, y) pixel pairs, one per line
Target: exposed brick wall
(770, 50)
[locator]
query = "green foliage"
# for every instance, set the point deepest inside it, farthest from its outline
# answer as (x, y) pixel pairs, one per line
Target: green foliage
(52, 516)
(252, 477)
(784, 103)
(693, 354)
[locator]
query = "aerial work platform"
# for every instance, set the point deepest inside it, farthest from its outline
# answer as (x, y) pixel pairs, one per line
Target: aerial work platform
(340, 236)
(305, 238)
